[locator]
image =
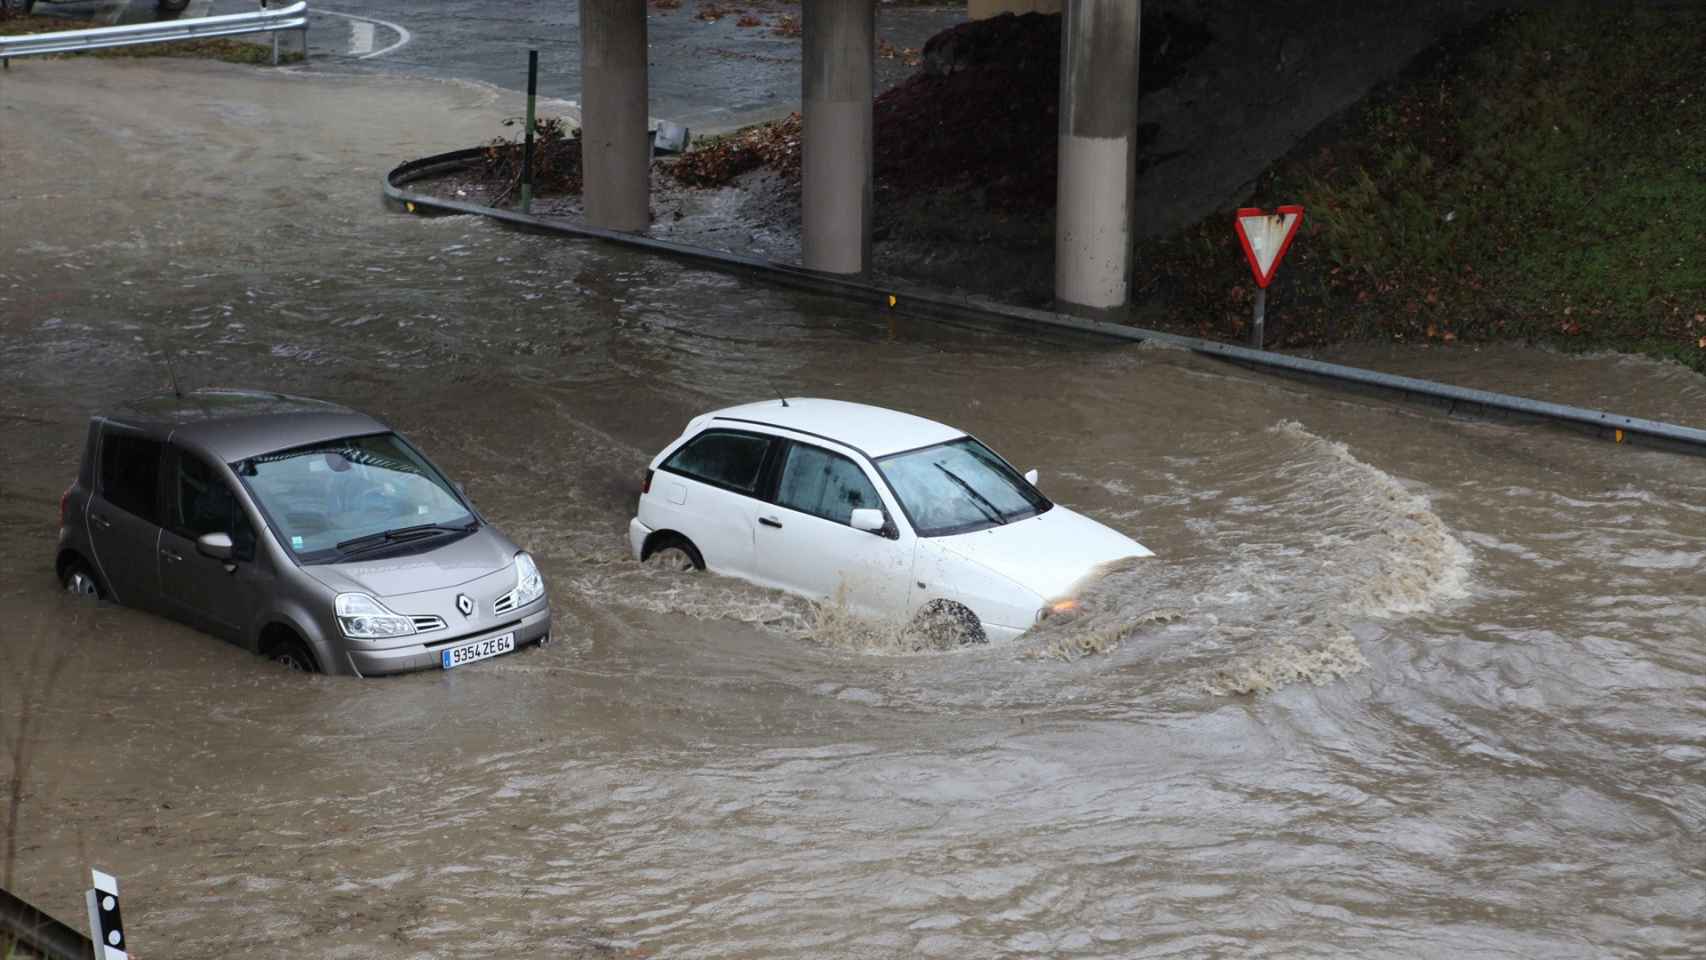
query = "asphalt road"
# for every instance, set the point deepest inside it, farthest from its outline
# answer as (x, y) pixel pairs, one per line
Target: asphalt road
(707, 73)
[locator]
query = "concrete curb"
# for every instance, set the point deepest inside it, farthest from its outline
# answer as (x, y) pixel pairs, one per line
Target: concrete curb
(1455, 400)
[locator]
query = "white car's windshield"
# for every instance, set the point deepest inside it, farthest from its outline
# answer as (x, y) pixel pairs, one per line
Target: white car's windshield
(958, 487)
(341, 498)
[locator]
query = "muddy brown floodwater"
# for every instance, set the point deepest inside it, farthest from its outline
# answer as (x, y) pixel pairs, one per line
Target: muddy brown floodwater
(1396, 685)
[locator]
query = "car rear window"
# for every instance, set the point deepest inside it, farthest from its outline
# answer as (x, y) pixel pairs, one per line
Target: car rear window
(723, 458)
(130, 473)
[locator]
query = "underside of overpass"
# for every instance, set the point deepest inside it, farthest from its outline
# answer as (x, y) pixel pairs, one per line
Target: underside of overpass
(1097, 142)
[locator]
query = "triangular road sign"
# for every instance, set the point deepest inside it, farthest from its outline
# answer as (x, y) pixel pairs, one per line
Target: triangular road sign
(1266, 237)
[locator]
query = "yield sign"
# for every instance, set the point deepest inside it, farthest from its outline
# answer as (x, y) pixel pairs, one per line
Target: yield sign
(1266, 237)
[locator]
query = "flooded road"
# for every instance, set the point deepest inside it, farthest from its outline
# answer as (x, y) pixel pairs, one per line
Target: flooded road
(1395, 685)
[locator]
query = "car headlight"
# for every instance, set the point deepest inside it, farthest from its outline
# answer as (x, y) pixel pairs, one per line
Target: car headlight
(364, 618)
(529, 585)
(1066, 605)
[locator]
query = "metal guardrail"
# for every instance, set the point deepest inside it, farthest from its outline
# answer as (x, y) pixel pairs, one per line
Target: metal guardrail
(37, 934)
(293, 17)
(1611, 426)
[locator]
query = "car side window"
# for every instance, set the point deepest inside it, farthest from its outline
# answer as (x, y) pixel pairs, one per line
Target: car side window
(130, 473)
(722, 458)
(203, 503)
(825, 484)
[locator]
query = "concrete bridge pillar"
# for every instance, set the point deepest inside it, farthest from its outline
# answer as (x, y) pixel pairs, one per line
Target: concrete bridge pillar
(616, 160)
(1098, 163)
(836, 156)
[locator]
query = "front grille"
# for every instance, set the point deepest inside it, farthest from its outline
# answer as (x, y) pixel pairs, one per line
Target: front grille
(427, 624)
(505, 603)
(483, 631)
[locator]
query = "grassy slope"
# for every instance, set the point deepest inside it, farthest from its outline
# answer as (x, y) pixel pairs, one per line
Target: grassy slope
(211, 48)
(1543, 177)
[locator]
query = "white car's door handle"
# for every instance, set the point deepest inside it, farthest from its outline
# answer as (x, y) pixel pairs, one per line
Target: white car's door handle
(770, 522)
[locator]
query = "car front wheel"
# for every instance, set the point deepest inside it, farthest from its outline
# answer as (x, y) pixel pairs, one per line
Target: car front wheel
(293, 655)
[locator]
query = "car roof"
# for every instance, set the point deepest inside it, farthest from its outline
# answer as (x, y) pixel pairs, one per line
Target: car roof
(235, 424)
(876, 431)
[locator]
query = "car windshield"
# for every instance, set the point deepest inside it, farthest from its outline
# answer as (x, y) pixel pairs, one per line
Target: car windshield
(338, 499)
(959, 487)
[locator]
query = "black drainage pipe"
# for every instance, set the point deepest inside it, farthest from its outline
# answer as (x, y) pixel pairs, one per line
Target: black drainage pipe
(1614, 426)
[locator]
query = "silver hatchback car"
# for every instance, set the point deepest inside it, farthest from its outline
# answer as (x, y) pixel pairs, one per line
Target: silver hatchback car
(303, 530)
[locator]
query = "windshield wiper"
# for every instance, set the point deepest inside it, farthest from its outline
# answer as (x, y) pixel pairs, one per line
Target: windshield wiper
(387, 537)
(989, 509)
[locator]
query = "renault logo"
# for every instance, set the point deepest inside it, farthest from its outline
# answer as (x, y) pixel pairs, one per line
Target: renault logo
(464, 604)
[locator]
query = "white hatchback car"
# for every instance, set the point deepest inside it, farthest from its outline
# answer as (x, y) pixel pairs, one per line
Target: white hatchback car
(897, 517)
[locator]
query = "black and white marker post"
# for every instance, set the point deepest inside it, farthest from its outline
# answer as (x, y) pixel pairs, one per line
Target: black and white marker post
(106, 927)
(1265, 237)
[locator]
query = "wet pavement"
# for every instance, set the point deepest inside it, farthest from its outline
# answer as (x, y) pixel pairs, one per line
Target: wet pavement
(1395, 685)
(709, 70)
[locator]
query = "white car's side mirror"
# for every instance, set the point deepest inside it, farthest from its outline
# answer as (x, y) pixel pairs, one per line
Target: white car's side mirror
(1031, 476)
(870, 521)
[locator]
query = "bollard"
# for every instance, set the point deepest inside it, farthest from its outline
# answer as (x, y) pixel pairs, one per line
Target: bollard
(527, 144)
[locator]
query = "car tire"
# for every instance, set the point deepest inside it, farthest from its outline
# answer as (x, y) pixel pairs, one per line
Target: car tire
(944, 625)
(293, 655)
(673, 552)
(174, 6)
(79, 581)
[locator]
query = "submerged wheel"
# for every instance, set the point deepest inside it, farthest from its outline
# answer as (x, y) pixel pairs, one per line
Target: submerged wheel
(944, 625)
(293, 655)
(80, 582)
(673, 552)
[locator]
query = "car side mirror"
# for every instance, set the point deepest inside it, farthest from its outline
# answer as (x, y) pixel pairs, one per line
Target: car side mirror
(215, 545)
(868, 520)
(1031, 476)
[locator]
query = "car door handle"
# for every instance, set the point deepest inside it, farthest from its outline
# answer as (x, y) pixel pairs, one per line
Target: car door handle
(770, 522)
(171, 555)
(100, 521)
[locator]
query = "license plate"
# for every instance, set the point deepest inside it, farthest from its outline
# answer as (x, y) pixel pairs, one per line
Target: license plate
(478, 650)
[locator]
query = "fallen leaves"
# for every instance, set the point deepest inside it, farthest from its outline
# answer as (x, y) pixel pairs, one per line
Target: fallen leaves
(775, 145)
(911, 56)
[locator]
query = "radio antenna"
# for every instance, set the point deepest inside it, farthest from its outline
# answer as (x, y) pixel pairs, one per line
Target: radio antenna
(780, 395)
(173, 375)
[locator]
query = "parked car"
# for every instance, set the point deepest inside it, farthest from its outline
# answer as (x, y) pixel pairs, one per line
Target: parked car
(303, 530)
(898, 517)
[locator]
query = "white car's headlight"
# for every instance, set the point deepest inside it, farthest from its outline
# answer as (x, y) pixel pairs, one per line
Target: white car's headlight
(1066, 605)
(529, 585)
(364, 618)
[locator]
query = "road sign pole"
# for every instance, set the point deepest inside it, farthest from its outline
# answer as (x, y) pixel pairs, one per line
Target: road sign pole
(527, 145)
(1261, 316)
(1266, 238)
